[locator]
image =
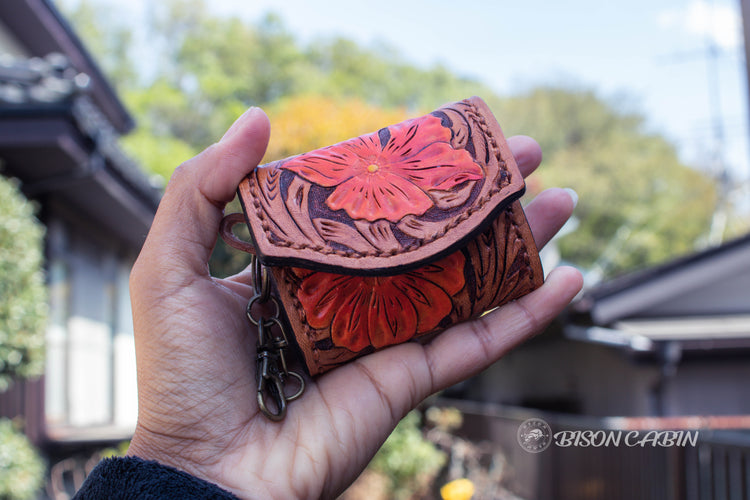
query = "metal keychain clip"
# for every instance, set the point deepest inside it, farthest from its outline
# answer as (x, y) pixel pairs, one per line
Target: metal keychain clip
(272, 373)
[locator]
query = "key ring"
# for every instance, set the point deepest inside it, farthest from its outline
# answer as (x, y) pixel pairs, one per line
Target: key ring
(271, 368)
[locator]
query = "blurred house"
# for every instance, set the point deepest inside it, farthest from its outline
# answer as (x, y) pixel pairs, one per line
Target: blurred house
(672, 340)
(59, 124)
(663, 349)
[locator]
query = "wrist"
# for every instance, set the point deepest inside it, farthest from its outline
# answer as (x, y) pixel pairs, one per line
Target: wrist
(178, 453)
(204, 459)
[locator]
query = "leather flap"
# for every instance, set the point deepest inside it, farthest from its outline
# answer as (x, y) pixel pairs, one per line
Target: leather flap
(385, 202)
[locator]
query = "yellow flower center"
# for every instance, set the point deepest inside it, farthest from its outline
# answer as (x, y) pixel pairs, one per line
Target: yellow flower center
(372, 168)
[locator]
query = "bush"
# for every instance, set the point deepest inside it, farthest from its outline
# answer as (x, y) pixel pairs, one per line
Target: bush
(23, 296)
(409, 460)
(21, 468)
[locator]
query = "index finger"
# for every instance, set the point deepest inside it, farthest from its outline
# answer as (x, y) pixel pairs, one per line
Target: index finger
(527, 153)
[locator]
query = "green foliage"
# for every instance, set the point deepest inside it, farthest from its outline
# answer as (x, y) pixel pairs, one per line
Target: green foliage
(380, 77)
(21, 468)
(120, 450)
(408, 459)
(639, 205)
(211, 68)
(23, 307)
(158, 155)
(113, 41)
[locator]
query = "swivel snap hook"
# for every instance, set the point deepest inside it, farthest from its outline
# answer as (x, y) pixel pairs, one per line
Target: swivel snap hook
(272, 373)
(274, 386)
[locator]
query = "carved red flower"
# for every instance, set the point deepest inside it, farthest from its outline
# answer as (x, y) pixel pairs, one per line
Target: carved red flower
(381, 311)
(388, 174)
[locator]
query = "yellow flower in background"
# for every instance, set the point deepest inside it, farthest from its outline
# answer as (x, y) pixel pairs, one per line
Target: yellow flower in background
(458, 489)
(306, 122)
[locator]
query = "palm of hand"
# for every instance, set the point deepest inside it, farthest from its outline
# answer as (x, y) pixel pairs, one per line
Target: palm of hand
(195, 346)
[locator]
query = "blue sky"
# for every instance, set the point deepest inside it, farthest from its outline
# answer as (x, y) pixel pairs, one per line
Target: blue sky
(648, 56)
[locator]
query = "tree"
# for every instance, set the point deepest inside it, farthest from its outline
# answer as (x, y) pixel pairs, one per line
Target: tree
(23, 308)
(639, 205)
(407, 459)
(380, 77)
(221, 65)
(113, 41)
(23, 314)
(21, 468)
(305, 122)
(165, 122)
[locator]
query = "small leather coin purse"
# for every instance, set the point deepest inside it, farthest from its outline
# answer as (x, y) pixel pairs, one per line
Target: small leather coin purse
(390, 236)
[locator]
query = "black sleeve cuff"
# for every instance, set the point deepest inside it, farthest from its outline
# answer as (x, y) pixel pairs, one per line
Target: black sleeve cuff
(132, 477)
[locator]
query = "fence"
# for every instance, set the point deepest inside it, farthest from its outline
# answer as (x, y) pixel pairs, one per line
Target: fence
(613, 463)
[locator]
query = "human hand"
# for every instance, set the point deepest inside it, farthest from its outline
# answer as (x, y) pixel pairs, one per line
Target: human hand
(196, 348)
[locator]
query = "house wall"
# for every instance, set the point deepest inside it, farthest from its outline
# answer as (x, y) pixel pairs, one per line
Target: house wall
(727, 294)
(709, 387)
(713, 283)
(570, 377)
(576, 377)
(90, 375)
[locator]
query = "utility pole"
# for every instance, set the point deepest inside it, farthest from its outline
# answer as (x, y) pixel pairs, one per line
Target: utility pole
(718, 163)
(717, 166)
(745, 9)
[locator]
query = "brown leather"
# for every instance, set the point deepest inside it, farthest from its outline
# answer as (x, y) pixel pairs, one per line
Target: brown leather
(393, 235)
(286, 231)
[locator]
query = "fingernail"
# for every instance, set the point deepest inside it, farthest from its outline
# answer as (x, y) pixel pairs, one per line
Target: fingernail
(238, 123)
(573, 196)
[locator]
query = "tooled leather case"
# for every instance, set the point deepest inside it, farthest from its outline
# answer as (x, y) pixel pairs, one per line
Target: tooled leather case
(393, 235)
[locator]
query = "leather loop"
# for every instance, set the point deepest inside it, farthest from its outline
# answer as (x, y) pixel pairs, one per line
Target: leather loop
(225, 230)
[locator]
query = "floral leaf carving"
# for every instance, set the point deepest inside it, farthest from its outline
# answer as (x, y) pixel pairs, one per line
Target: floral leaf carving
(338, 232)
(379, 234)
(483, 251)
(446, 200)
(272, 202)
(419, 228)
(498, 261)
(460, 128)
(297, 206)
(483, 146)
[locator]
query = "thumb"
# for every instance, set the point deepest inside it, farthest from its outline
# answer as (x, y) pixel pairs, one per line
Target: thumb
(186, 224)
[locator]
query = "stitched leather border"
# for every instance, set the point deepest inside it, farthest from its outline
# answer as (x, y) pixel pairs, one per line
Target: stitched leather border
(502, 263)
(287, 236)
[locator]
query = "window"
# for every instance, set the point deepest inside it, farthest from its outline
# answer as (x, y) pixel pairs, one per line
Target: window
(90, 378)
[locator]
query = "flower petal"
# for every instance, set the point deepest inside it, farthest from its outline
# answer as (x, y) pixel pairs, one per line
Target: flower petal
(392, 316)
(382, 311)
(447, 273)
(350, 325)
(430, 302)
(335, 164)
(438, 166)
(321, 296)
(411, 136)
(379, 196)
